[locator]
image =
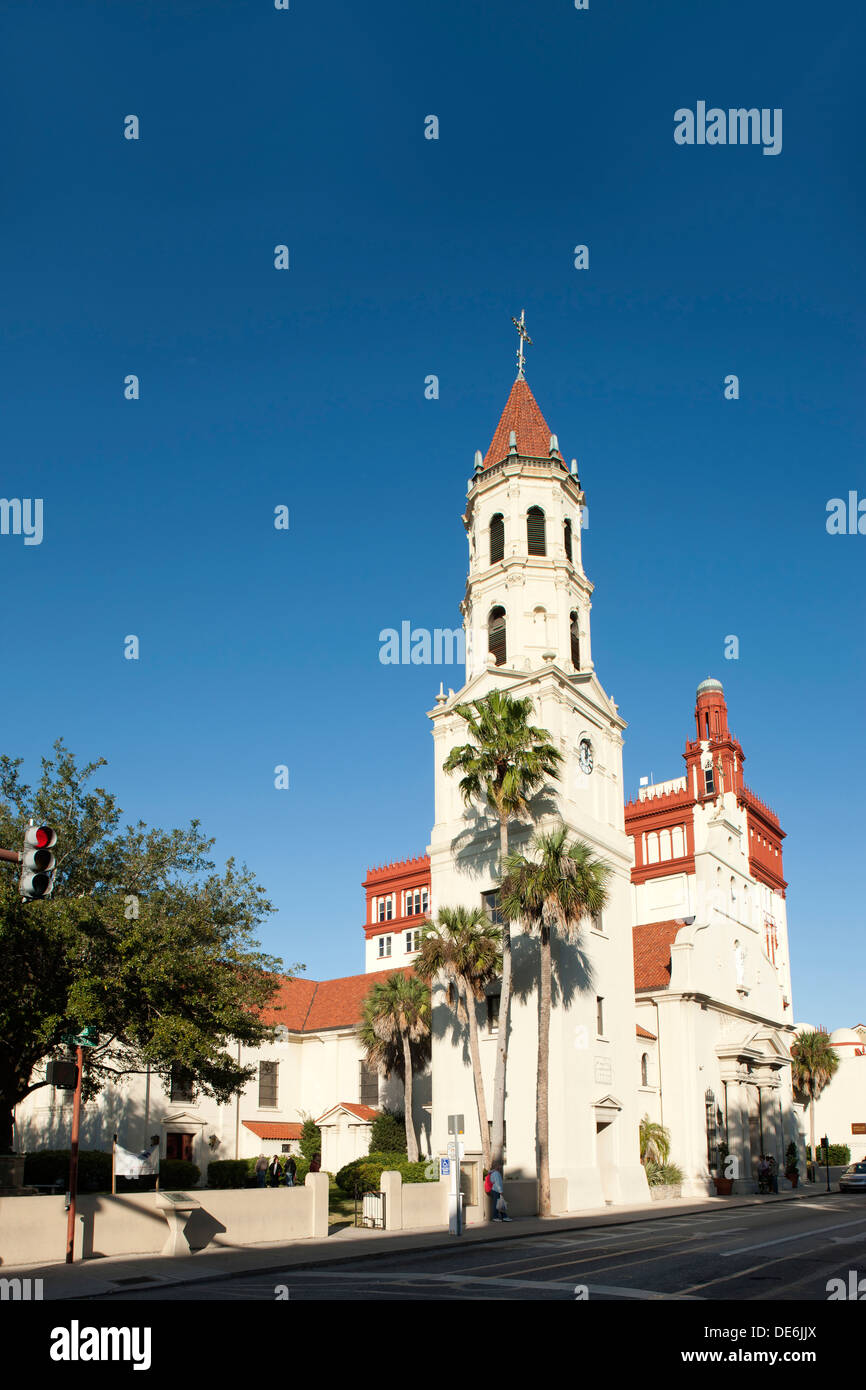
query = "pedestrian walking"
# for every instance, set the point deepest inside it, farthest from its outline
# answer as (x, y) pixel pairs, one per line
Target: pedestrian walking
(291, 1171)
(275, 1172)
(316, 1163)
(261, 1170)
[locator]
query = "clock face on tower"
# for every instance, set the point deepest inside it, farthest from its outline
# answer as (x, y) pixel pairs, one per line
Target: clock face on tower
(585, 757)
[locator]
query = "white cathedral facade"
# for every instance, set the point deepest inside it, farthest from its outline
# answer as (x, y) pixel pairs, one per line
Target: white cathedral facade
(676, 1000)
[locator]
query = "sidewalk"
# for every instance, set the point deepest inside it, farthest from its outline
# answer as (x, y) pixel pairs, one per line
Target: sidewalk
(111, 1276)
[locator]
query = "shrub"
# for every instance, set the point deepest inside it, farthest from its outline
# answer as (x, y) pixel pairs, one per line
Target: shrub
(663, 1174)
(349, 1175)
(176, 1173)
(426, 1170)
(47, 1165)
(388, 1133)
(311, 1138)
(228, 1172)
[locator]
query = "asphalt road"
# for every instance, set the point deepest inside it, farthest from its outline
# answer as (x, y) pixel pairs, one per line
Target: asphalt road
(784, 1251)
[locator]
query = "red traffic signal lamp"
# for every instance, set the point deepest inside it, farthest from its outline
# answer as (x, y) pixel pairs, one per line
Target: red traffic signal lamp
(37, 863)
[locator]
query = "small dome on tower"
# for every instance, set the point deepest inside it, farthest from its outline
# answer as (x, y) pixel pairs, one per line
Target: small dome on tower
(803, 1028)
(845, 1035)
(710, 684)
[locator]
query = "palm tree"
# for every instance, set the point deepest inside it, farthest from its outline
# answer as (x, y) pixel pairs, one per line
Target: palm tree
(550, 893)
(395, 1031)
(506, 762)
(465, 947)
(813, 1066)
(655, 1142)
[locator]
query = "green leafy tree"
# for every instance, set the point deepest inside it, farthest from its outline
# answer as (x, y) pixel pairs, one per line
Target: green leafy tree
(388, 1133)
(466, 948)
(814, 1063)
(550, 894)
(141, 941)
(395, 1032)
(506, 761)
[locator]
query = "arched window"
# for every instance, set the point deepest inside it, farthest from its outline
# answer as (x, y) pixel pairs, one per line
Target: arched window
(496, 635)
(535, 531)
(497, 538)
(574, 622)
(567, 538)
(644, 1070)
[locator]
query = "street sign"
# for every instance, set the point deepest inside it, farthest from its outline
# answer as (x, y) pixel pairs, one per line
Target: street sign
(455, 1124)
(444, 1167)
(461, 1147)
(88, 1037)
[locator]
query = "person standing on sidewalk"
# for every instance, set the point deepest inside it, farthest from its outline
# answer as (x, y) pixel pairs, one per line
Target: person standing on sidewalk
(500, 1208)
(291, 1171)
(261, 1170)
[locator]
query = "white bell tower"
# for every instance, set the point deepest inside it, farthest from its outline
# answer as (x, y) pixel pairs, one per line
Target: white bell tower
(526, 613)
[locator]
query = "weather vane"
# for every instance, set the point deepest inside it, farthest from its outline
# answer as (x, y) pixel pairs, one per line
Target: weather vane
(523, 338)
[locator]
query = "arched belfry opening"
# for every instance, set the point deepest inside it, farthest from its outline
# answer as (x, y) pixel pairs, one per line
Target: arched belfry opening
(574, 630)
(496, 644)
(497, 538)
(535, 532)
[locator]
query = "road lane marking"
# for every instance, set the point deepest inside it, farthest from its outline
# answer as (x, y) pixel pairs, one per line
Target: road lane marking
(783, 1240)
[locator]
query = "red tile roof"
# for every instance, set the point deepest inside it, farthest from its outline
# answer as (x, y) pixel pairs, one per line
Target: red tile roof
(522, 415)
(363, 1112)
(652, 954)
(308, 1006)
(272, 1129)
(642, 1033)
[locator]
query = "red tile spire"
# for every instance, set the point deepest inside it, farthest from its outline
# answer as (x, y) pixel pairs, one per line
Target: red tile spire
(523, 416)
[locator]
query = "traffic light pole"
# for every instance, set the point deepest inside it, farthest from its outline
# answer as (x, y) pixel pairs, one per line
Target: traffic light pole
(73, 1158)
(12, 856)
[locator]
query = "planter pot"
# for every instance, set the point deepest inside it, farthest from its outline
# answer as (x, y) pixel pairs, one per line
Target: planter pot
(724, 1186)
(11, 1170)
(663, 1192)
(793, 1178)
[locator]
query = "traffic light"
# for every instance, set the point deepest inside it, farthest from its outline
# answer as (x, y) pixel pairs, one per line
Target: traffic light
(37, 863)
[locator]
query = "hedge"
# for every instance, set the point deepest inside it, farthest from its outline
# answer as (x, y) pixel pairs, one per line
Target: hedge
(50, 1167)
(839, 1154)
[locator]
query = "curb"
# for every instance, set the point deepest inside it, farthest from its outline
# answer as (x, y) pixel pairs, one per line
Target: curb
(444, 1242)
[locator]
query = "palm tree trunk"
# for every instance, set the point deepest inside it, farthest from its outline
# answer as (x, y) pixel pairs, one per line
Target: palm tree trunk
(812, 1132)
(498, 1143)
(411, 1138)
(475, 1055)
(543, 1078)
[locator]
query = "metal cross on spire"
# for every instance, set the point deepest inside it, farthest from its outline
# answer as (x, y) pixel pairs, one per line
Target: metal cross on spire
(522, 338)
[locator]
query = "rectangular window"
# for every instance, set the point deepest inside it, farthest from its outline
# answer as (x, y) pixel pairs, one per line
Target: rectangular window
(384, 946)
(381, 909)
(181, 1083)
(368, 1088)
(709, 784)
(268, 1072)
(490, 902)
(596, 922)
(492, 1013)
(424, 899)
(413, 939)
(599, 1011)
(389, 908)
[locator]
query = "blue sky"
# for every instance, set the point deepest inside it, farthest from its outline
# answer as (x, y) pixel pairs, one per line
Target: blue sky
(306, 388)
